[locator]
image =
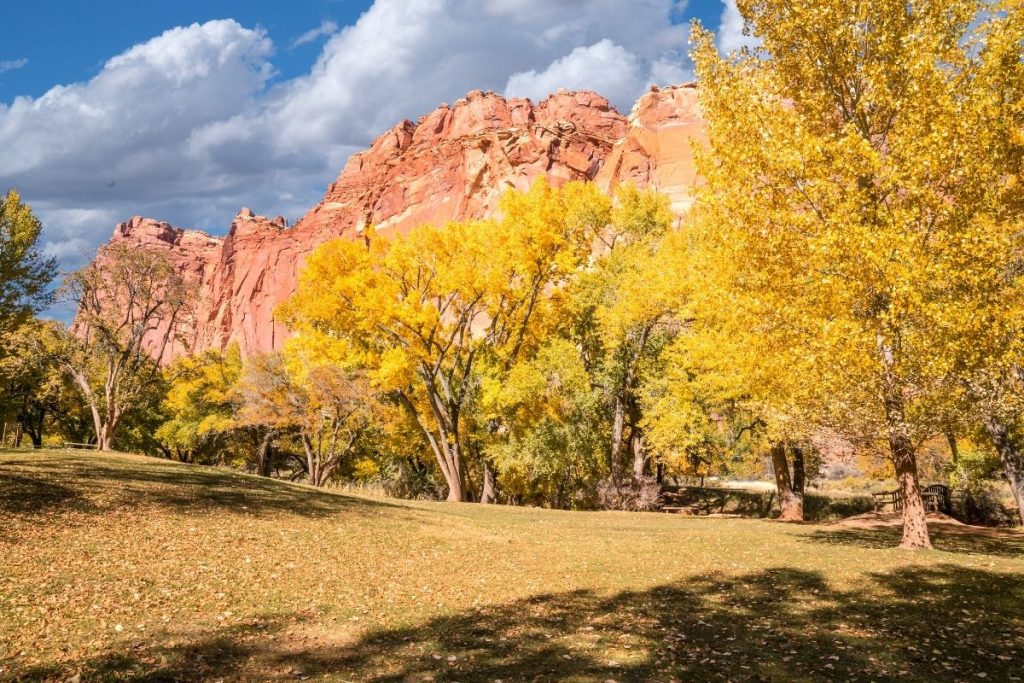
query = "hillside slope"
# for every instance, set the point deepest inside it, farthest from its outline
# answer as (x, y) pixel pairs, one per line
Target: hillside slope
(129, 568)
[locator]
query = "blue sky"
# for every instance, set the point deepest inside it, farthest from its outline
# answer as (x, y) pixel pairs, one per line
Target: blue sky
(66, 41)
(187, 110)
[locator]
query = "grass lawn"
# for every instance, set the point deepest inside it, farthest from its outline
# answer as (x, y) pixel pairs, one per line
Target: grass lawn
(129, 568)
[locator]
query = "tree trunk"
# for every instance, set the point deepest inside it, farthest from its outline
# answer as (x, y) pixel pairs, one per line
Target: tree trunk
(915, 522)
(791, 504)
(453, 474)
(33, 422)
(1011, 455)
(312, 460)
(639, 447)
(264, 455)
(105, 437)
(490, 493)
(618, 426)
(445, 444)
(799, 471)
(954, 450)
(103, 442)
(904, 459)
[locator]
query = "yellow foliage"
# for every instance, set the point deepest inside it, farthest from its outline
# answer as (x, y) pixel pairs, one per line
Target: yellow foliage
(432, 313)
(858, 221)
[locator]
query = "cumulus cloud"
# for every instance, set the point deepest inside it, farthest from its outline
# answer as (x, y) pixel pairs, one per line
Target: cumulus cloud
(12, 64)
(188, 126)
(730, 30)
(605, 67)
(91, 153)
(326, 28)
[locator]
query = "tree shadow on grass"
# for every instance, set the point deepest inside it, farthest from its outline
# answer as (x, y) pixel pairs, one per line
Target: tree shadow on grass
(96, 482)
(761, 504)
(917, 623)
(21, 494)
(948, 537)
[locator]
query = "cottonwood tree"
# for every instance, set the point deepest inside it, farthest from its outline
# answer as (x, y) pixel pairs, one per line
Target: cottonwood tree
(330, 408)
(131, 305)
(719, 400)
(854, 199)
(623, 309)
(34, 384)
(25, 273)
(199, 402)
(434, 313)
(987, 347)
(551, 446)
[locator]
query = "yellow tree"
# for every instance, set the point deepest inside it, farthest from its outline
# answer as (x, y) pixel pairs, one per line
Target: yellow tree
(989, 352)
(625, 305)
(199, 401)
(434, 312)
(861, 221)
(330, 407)
(721, 398)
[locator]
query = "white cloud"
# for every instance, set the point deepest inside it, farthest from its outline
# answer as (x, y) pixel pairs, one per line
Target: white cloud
(186, 127)
(730, 30)
(12, 64)
(89, 154)
(605, 67)
(326, 28)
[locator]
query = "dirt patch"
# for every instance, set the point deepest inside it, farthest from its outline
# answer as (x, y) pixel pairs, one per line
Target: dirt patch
(879, 519)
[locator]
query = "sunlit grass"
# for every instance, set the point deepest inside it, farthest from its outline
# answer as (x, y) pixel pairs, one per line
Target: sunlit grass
(130, 568)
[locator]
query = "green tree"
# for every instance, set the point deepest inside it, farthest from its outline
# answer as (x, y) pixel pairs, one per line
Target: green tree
(35, 385)
(25, 274)
(199, 402)
(628, 309)
(552, 432)
(131, 305)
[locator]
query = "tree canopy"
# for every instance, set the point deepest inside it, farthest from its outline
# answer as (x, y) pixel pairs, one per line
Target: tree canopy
(25, 272)
(862, 207)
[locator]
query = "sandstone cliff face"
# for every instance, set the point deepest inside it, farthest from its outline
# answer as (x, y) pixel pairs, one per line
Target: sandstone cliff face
(451, 165)
(657, 150)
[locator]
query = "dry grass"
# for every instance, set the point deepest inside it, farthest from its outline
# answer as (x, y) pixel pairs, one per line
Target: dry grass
(128, 568)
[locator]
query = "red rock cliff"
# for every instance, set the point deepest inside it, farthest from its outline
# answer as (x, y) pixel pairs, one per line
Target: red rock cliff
(451, 165)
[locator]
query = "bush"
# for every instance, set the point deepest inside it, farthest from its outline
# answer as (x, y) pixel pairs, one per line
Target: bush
(412, 481)
(821, 507)
(635, 494)
(974, 481)
(983, 506)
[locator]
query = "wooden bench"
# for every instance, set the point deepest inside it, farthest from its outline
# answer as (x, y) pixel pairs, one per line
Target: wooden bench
(940, 496)
(935, 498)
(72, 444)
(883, 498)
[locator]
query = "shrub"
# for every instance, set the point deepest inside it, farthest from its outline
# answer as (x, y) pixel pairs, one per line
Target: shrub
(974, 481)
(635, 494)
(411, 480)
